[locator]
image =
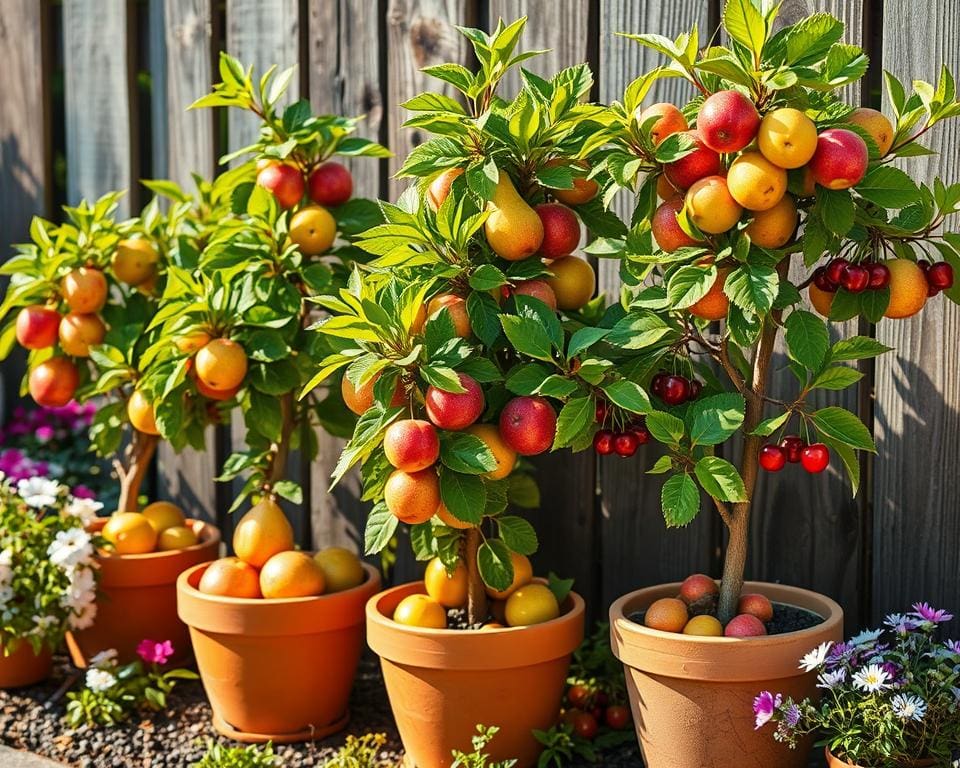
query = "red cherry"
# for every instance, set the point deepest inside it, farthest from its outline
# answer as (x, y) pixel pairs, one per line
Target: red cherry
(793, 445)
(603, 442)
(676, 390)
(656, 383)
(932, 290)
(940, 275)
(815, 458)
(835, 270)
(696, 387)
(822, 280)
(585, 726)
(578, 695)
(617, 717)
(924, 265)
(773, 458)
(600, 415)
(625, 444)
(855, 278)
(642, 434)
(879, 275)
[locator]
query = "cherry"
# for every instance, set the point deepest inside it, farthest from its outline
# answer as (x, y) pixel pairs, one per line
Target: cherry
(625, 444)
(773, 458)
(932, 290)
(656, 383)
(924, 265)
(617, 717)
(601, 413)
(855, 278)
(676, 390)
(641, 433)
(578, 695)
(879, 275)
(940, 275)
(823, 281)
(696, 387)
(585, 726)
(835, 270)
(793, 445)
(603, 442)
(815, 458)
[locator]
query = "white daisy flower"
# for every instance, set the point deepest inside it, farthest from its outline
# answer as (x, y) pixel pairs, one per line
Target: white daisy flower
(42, 624)
(70, 548)
(39, 492)
(868, 637)
(85, 509)
(908, 707)
(830, 680)
(84, 619)
(6, 557)
(871, 678)
(99, 680)
(816, 657)
(104, 658)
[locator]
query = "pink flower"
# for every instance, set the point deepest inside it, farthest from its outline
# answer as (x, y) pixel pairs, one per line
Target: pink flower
(764, 706)
(44, 434)
(924, 612)
(154, 652)
(82, 492)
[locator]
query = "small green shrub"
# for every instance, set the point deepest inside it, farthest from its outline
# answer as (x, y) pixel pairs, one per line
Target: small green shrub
(253, 756)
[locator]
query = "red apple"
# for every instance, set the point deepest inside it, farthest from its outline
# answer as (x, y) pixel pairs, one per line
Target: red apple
(38, 327)
(411, 444)
(528, 425)
(728, 121)
(755, 605)
(455, 410)
(561, 230)
(537, 289)
(53, 382)
(284, 181)
(699, 164)
(745, 625)
(840, 161)
(330, 184)
(666, 229)
(697, 587)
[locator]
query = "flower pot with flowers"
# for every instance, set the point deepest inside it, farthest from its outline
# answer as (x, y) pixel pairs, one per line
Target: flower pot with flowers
(457, 345)
(86, 291)
(48, 576)
(775, 153)
(891, 696)
(277, 632)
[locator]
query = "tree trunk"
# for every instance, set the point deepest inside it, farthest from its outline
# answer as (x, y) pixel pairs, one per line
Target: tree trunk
(138, 456)
(281, 449)
(476, 590)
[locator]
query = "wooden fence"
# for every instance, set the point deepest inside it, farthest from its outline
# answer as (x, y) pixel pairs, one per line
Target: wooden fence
(93, 99)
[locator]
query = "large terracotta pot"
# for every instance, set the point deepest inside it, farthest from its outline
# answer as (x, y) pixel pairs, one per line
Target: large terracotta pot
(137, 599)
(442, 683)
(276, 670)
(691, 696)
(836, 762)
(24, 667)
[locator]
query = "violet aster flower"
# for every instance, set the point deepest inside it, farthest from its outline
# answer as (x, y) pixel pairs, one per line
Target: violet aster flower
(82, 492)
(764, 706)
(44, 433)
(901, 624)
(953, 646)
(926, 613)
(154, 652)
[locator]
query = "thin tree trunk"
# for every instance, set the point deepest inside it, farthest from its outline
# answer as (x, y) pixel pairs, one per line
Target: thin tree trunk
(134, 470)
(281, 449)
(476, 590)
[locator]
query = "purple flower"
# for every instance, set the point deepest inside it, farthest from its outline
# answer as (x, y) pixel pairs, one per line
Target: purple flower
(764, 706)
(154, 652)
(82, 492)
(893, 670)
(791, 715)
(901, 624)
(840, 654)
(953, 646)
(44, 434)
(926, 613)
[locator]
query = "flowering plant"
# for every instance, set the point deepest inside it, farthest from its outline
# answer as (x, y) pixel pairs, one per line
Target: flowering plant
(47, 570)
(112, 691)
(891, 695)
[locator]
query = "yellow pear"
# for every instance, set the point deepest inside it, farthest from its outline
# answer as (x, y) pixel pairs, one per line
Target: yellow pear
(261, 533)
(513, 228)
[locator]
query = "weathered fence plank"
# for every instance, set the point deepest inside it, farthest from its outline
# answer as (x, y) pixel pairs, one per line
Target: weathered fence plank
(917, 412)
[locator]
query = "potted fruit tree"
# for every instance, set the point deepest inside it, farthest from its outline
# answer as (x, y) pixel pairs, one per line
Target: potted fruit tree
(771, 187)
(85, 291)
(277, 632)
(462, 348)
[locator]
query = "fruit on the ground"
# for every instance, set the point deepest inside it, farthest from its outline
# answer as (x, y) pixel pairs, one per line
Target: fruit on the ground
(573, 282)
(37, 327)
(711, 206)
(774, 227)
(330, 183)
(787, 137)
(284, 181)
(714, 304)
(455, 410)
(855, 278)
(840, 161)
(80, 332)
(876, 125)
(341, 569)
(412, 497)
(176, 537)
(583, 190)
(699, 164)
(141, 414)
(450, 590)
(676, 390)
(522, 575)
(908, 289)
(528, 425)
(84, 289)
(879, 275)
(291, 574)
(134, 261)
(230, 577)
(704, 626)
(513, 229)
(440, 187)
(420, 611)
(616, 717)
(755, 182)
(822, 300)
(313, 229)
(221, 364)
(666, 228)
(219, 395)
(940, 276)
(772, 458)
(561, 230)
(192, 342)
(696, 587)
(727, 121)
(163, 515)
(53, 382)
(792, 446)
(625, 444)
(815, 457)
(666, 190)
(755, 605)
(537, 289)
(411, 444)
(359, 399)
(130, 533)
(456, 307)
(531, 604)
(585, 725)
(745, 625)
(503, 453)
(670, 120)
(668, 614)
(447, 518)
(261, 533)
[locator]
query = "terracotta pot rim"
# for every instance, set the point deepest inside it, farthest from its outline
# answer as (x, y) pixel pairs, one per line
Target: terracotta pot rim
(832, 760)
(207, 534)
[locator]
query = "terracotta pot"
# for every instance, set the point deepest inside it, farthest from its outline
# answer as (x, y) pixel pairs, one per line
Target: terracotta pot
(691, 696)
(137, 599)
(442, 683)
(836, 762)
(276, 670)
(24, 667)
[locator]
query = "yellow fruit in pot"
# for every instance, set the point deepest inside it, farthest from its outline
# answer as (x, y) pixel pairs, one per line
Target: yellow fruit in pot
(176, 537)
(130, 533)
(341, 568)
(261, 533)
(704, 626)
(450, 590)
(230, 577)
(420, 611)
(291, 574)
(531, 604)
(163, 515)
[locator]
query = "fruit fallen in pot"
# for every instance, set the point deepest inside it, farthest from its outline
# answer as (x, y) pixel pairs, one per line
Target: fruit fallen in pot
(341, 569)
(291, 574)
(420, 611)
(163, 515)
(176, 537)
(130, 533)
(531, 604)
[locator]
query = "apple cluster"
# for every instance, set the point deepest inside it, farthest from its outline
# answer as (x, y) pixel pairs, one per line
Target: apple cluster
(693, 612)
(813, 457)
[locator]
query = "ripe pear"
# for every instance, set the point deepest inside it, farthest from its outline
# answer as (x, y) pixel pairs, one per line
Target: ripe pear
(261, 533)
(513, 228)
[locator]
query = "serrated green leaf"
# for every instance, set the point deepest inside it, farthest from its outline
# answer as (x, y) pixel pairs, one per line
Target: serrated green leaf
(495, 565)
(720, 479)
(888, 187)
(857, 348)
(680, 501)
(665, 427)
(844, 427)
(661, 466)
(837, 377)
(464, 496)
(628, 395)
(689, 284)
(517, 534)
(752, 287)
(715, 418)
(466, 453)
(381, 526)
(807, 339)
(768, 426)
(575, 417)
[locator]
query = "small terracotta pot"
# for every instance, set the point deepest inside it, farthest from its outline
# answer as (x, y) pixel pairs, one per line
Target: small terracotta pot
(137, 599)
(276, 670)
(24, 667)
(836, 762)
(442, 683)
(691, 696)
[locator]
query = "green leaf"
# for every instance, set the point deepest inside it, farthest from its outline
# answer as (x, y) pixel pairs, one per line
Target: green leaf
(660, 466)
(484, 314)
(464, 496)
(526, 378)
(857, 348)
(850, 461)
(381, 526)
(768, 426)
(289, 490)
(527, 336)
(713, 419)
(665, 427)
(807, 339)
(888, 187)
(494, 564)
(844, 427)
(835, 207)
(466, 453)
(638, 330)
(689, 284)
(517, 534)
(575, 417)
(837, 377)
(752, 287)
(680, 501)
(523, 491)
(746, 25)
(628, 395)
(720, 479)
(584, 338)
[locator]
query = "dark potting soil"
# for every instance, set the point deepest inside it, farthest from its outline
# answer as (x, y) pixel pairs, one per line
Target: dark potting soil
(786, 618)
(457, 619)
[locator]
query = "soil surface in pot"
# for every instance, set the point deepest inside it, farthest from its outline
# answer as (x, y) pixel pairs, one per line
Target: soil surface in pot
(786, 618)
